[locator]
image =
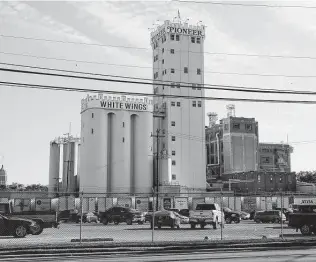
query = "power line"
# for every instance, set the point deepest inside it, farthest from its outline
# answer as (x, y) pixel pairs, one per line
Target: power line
(162, 83)
(63, 88)
(149, 49)
(244, 5)
(150, 67)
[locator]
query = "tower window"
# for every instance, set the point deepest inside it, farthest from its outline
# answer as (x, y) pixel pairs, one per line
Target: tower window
(177, 37)
(236, 126)
(194, 103)
(163, 50)
(123, 140)
(173, 162)
(173, 123)
(193, 86)
(172, 70)
(178, 85)
(198, 40)
(198, 86)
(178, 104)
(199, 103)
(173, 138)
(172, 85)
(91, 130)
(172, 51)
(192, 39)
(174, 177)
(92, 115)
(185, 70)
(198, 71)
(248, 127)
(173, 103)
(163, 61)
(172, 37)
(123, 124)
(173, 152)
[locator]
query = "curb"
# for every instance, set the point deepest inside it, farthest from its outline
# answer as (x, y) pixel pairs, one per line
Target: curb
(76, 240)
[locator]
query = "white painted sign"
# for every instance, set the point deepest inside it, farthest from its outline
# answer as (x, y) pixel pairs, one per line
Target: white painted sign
(304, 201)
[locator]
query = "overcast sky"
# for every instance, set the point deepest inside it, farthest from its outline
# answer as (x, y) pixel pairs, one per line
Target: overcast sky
(30, 119)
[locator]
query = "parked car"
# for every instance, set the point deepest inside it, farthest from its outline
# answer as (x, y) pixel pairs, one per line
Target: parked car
(244, 215)
(272, 216)
(183, 219)
(206, 214)
(173, 209)
(286, 211)
(18, 227)
(304, 219)
(122, 214)
(184, 212)
(166, 218)
(231, 216)
(88, 217)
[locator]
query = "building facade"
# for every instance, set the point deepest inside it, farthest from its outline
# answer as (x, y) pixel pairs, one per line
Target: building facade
(259, 181)
(116, 151)
(231, 145)
(3, 176)
(178, 69)
(275, 157)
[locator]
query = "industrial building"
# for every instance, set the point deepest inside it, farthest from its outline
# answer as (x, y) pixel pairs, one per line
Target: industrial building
(178, 63)
(3, 176)
(63, 165)
(116, 153)
(275, 157)
(231, 144)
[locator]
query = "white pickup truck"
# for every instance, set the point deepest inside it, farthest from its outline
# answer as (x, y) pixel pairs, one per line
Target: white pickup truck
(206, 214)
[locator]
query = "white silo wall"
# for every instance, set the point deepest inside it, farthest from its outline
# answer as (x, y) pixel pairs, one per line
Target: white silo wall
(143, 153)
(54, 164)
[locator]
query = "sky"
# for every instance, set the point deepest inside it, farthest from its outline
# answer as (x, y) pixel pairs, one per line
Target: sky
(31, 118)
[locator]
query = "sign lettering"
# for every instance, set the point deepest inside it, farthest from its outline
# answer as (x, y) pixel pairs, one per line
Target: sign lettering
(124, 105)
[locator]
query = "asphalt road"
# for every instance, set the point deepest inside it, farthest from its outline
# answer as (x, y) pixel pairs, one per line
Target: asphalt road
(134, 233)
(245, 256)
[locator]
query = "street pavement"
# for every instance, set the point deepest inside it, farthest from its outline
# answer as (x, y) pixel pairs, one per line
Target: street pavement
(143, 233)
(286, 255)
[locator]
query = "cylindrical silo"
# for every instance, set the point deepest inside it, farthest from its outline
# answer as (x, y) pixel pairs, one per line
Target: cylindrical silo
(143, 155)
(54, 162)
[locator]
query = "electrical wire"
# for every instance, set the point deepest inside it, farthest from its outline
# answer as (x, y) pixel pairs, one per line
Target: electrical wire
(63, 88)
(149, 49)
(161, 82)
(150, 67)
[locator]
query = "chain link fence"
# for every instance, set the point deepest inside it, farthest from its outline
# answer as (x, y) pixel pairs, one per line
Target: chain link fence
(157, 217)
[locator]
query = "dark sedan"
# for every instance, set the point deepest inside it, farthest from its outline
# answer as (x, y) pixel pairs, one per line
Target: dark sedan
(18, 227)
(122, 214)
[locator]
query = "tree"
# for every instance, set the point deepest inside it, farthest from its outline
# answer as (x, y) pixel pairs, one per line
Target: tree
(306, 176)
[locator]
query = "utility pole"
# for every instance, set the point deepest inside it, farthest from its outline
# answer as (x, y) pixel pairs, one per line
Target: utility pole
(57, 182)
(156, 179)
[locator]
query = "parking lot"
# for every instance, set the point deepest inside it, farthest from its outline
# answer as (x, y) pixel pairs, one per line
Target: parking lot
(134, 233)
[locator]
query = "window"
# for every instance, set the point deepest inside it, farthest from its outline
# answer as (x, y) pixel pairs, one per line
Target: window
(172, 51)
(194, 103)
(91, 130)
(271, 178)
(199, 103)
(163, 72)
(198, 71)
(123, 124)
(193, 86)
(173, 152)
(192, 39)
(248, 127)
(173, 123)
(259, 178)
(236, 126)
(198, 86)
(172, 85)
(123, 140)
(174, 177)
(92, 115)
(173, 138)
(177, 37)
(178, 85)
(281, 179)
(198, 40)
(185, 70)
(290, 179)
(163, 61)
(178, 104)
(155, 75)
(173, 103)
(265, 160)
(172, 37)
(172, 70)
(173, 162)
(163, 50)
